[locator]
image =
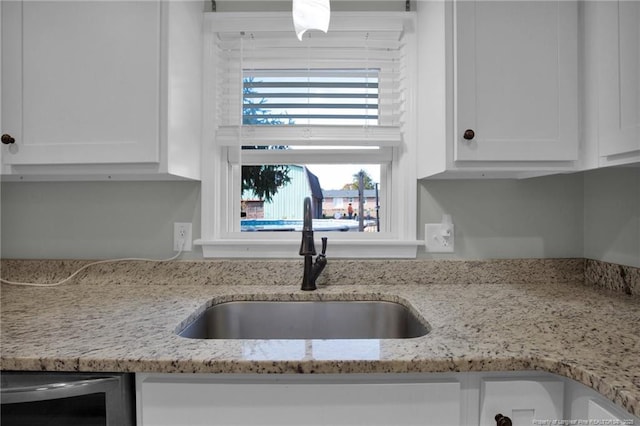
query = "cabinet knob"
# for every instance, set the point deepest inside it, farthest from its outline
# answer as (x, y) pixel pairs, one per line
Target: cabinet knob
(502, 420)
(8, 139)
(469, 134)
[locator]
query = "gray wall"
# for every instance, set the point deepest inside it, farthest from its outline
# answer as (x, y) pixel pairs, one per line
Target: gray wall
(95, 220)
(539, 217)
(612, 215)
(593, 214)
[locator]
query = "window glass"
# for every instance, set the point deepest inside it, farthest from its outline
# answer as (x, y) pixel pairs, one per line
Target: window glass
(273, 194)
(269, 207)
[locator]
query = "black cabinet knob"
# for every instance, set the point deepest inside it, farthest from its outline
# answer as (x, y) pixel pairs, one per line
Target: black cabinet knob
(469, 134)
(8, 139)
(502, 420)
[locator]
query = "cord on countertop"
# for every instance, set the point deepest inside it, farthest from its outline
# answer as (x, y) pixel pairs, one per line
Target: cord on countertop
(126, 259)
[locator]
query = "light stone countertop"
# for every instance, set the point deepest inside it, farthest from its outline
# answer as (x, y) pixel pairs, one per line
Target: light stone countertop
(124, 318)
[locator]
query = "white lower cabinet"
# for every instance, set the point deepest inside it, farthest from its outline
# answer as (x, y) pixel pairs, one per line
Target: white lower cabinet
(523, 401)
(589, 406)
(251, 400)
(438, 399)
(595, 411)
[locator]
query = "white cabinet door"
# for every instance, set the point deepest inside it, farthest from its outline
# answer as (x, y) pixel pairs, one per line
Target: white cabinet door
(208, 401)
(523, 401)
(516, 80)
(618, 52)
(80, 81)
(598, 414)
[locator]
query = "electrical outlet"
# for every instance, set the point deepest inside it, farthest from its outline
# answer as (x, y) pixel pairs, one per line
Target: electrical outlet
(182, 232)
(438, 237)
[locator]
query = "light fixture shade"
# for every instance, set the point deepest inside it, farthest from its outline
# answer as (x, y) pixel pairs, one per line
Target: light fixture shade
(311, 15)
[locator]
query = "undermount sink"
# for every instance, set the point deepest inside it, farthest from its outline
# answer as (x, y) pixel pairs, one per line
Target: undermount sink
(306, 320)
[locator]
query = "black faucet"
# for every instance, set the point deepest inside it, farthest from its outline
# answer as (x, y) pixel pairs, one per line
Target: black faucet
(308, 250)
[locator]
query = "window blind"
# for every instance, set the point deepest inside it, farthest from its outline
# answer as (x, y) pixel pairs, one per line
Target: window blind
(340, 88)
(310, 97)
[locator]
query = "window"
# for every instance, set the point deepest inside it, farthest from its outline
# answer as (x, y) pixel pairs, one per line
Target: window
(291, 108)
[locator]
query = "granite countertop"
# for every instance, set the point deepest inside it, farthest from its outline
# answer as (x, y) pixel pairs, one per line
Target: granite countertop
(534, 316)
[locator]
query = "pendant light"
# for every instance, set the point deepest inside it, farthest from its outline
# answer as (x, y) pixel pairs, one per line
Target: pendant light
(311, 15)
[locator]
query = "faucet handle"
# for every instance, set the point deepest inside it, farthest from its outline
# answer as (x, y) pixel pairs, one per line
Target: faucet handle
(324, 245)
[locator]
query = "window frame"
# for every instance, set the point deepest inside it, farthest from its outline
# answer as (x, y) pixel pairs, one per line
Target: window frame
(220, 172)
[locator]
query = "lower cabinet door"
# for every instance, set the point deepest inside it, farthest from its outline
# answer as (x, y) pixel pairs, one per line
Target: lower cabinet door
(193, 401)
(597, 413)
(524, 401)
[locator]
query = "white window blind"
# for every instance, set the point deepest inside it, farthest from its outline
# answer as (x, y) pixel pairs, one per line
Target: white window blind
(340, 88)
(310, 97)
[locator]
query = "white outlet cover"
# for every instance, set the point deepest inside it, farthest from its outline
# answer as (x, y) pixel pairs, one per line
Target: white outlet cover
(435, 241)
(177, 227)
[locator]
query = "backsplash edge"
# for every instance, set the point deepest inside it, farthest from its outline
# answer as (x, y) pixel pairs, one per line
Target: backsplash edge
(289, 271)
(612, 276)
(615, 277)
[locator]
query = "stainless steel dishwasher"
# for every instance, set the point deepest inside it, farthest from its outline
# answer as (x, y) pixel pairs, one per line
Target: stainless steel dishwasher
(47, 399)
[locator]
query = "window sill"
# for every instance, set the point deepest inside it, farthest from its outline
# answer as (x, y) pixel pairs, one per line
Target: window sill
(288, 248)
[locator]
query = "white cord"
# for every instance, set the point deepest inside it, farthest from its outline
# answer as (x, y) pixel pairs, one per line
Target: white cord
(126, 259)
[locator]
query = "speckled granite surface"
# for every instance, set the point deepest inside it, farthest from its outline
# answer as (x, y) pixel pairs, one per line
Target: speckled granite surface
(625, 279)
(485, 316)
(288, 272)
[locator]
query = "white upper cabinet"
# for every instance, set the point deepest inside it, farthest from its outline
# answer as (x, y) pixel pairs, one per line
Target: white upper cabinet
(612, 61)
(498, 91)
(83, 82)
(97, 88)
(516, 76)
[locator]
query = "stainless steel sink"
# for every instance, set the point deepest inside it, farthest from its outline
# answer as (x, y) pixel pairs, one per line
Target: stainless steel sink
(306, 320)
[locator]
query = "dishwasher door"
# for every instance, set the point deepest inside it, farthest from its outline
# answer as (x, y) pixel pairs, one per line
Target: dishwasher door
(47, 399)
